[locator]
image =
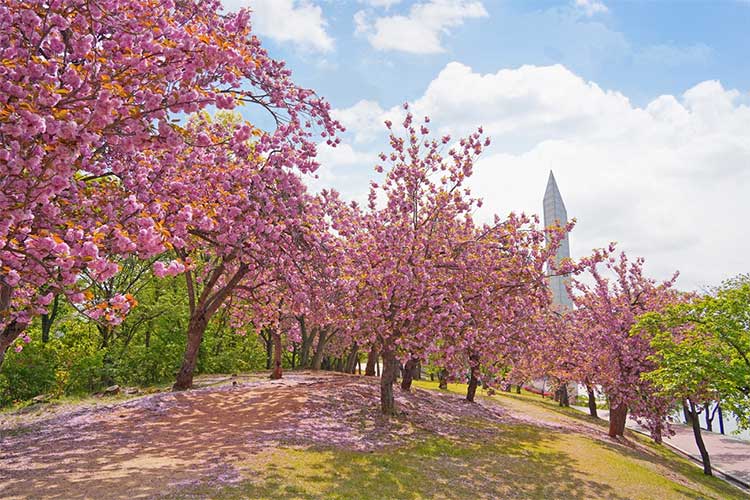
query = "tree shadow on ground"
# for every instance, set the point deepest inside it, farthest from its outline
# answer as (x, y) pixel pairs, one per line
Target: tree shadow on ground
(520, 462)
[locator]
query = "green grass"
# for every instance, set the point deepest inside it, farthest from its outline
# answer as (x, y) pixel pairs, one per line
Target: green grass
(521, 461)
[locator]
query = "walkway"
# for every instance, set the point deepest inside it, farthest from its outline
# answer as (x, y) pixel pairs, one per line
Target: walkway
(729, 455)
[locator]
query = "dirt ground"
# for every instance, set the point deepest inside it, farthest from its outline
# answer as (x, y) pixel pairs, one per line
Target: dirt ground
(158, 444)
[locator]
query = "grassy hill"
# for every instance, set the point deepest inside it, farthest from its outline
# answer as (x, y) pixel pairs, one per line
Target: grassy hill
(320, 436)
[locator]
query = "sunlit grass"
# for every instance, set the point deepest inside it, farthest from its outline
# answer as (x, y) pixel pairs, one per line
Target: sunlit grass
(520, 461)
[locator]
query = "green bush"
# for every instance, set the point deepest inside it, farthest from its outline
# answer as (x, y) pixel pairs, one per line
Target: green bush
(142, 365)
(28, 373)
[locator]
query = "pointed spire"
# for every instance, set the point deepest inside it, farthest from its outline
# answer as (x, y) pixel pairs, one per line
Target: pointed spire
(552, 189)
(554, 208)
(555, 214)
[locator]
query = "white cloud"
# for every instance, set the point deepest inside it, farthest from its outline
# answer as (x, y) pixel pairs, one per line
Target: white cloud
(364, 119)
(591, 7)
(386, 4)
(297, 21)
(421, 30)
(668, 181)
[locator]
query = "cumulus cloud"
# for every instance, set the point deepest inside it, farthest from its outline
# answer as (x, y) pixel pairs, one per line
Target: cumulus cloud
(591, 7)
(386, 4)
(667, 181)
(420, 31)
(300, 22)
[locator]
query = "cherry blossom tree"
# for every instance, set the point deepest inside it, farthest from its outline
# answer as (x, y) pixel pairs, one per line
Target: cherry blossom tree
(404, 249)
(606, 311)
(93, 91)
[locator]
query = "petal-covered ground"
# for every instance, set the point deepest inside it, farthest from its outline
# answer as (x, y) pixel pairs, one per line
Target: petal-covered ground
(320, 436)
(160, 443)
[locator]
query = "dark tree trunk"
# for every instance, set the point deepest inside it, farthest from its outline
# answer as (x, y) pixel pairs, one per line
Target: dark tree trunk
(268, 341)
(518, 389)
(721, 419)
(473, 378)
(49, 318)
(196, 329)
(372, 361)
(351, 360)
(320, 349)
(617, 418)
(390, 373)
(410, 369)
(443, 377)
(202, 307)
(9, 334)
(657, 434)
(277, 372)
(307, 340)
(13, 329)
(699, 440)
(709, 418)
(592, 402)
(686, 412)
(563, 397)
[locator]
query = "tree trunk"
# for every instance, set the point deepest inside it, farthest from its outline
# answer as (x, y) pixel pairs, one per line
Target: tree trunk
(443, 377)
(686, 412)
(307, 340)
(473, 378)
(276, 373)
(518, 389)
(410, 369)
(617, 418)
(372, 361)
(13, 329)
(699, 440)
(592, 402)
(709, 419)
(9, 334)
(721, 420)
(390, 372)
(267, 337)
(49, 318)
(657, 434)
(564, 401)
(351, 360)
(208, 302)
(196, 329)
(321, 347)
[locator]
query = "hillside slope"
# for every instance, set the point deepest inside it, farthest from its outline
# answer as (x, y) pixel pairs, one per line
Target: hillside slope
(321, 436)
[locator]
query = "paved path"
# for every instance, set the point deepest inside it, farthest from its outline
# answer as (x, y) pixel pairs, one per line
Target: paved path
(728, 454)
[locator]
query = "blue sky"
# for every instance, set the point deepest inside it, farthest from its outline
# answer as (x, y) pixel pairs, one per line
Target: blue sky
(642, 48)
(640, 108)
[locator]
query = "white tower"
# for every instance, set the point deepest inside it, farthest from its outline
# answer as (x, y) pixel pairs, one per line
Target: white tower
(556, 215)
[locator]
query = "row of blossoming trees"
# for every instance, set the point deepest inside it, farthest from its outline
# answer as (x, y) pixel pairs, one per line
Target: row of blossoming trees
(109, 157)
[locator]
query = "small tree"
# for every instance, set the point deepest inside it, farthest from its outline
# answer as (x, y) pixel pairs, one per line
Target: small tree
(701, 351)
(606, 311)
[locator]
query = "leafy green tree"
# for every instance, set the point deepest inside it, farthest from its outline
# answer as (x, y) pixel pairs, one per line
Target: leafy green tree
(702, 353)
